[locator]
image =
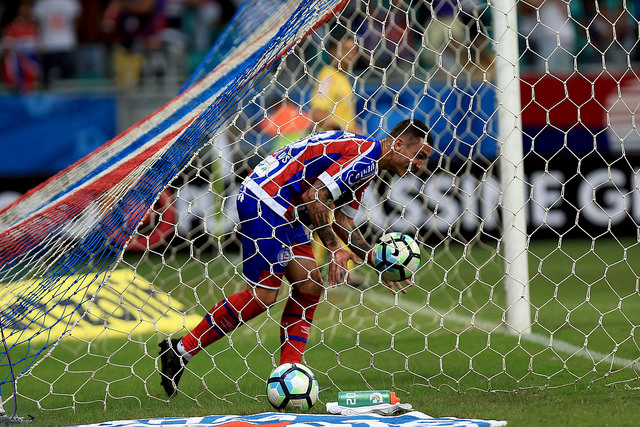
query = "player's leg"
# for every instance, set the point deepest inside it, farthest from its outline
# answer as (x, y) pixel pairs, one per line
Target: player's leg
(265, 251)
(223, 318)
(226, 316)
(306, 289)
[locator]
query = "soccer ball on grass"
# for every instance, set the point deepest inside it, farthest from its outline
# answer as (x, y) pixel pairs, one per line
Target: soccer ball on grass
(292, 386)
(396, 256)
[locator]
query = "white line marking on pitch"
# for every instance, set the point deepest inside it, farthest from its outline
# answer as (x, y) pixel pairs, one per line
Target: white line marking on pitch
(547, 341)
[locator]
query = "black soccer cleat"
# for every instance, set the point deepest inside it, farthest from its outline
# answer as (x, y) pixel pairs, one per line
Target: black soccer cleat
(172, 365)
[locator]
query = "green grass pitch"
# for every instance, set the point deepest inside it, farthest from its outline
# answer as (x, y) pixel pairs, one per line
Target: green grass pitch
(442, 347)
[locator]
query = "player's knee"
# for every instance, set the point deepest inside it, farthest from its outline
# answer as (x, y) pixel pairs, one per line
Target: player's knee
(267, 297)
(311, 283)
(310, 286)
(301, 271)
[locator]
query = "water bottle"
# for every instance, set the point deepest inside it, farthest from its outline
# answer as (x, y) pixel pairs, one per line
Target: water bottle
(366, 398)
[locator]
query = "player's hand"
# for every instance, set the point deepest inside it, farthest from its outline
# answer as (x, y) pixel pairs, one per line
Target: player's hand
(339, 265)
(398, 285)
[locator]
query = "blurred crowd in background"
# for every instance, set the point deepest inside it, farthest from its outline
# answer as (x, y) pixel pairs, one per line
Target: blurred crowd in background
(44, 41)
(125, 42)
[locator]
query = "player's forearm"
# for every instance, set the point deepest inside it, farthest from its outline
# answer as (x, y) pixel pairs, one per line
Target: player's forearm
(317, 200)
(321, 221)
(354, 240)
(358, 244)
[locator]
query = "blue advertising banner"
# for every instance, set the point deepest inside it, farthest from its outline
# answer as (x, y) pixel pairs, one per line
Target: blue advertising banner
(463, 120)
(42, 134)
(272, 419)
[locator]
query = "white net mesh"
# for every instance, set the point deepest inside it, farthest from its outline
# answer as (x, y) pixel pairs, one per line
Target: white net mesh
(433, 61)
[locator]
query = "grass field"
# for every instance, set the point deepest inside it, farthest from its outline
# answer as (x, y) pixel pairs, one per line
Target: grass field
(442, 347)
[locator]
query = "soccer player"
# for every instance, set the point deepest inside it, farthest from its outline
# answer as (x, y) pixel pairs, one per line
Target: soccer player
(288, 194)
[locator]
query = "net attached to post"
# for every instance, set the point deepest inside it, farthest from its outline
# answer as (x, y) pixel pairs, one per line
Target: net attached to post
(60, 242)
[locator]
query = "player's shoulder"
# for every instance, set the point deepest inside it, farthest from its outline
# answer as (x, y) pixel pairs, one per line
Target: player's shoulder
(340, 135)
(348, 143)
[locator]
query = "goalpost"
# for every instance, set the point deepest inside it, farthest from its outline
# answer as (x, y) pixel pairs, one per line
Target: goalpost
(514, 232)
(529, 278)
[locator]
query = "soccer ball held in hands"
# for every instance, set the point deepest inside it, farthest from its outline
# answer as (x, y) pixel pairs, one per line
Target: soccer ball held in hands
(396, 256)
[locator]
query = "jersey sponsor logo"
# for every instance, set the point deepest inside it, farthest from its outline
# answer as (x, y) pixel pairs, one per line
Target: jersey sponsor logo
(267, 165)
(357, 174)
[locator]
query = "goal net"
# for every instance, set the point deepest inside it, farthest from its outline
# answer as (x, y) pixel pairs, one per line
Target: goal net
(526, 215)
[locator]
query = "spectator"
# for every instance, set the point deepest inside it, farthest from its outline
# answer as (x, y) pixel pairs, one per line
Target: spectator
(476, 40)
(92, 50)
(443, 35)
(612, 28)
(58, 38)
(20, 62)
(205, 17)
(384, 33)
(8, 12)
(135, 27)
(174, 40)
(455, 37)
(550, 33)
(398, 35)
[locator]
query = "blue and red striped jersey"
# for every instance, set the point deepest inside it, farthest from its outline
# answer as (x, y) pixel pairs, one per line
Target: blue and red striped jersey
(343, 161)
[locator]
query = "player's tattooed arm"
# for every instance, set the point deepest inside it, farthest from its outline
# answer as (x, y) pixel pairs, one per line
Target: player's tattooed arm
(317, 200)
(359, 245)
(346, 229)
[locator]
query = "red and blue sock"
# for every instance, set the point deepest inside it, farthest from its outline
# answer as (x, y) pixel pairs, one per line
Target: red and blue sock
(295, 323)
(223, 318)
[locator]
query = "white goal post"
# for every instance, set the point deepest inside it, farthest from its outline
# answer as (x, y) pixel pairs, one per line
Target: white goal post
(514, 233)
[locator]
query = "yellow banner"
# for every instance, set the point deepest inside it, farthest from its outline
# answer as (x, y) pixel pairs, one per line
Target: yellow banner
(125, 305)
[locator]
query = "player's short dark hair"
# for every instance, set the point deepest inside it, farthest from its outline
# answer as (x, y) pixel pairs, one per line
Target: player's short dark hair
(413, 129)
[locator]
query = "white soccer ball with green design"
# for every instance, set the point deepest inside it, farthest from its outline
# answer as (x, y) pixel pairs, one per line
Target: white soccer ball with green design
(396, 256)
(292, 386)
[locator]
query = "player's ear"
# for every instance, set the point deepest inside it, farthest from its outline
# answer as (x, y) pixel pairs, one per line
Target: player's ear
(398, 143)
